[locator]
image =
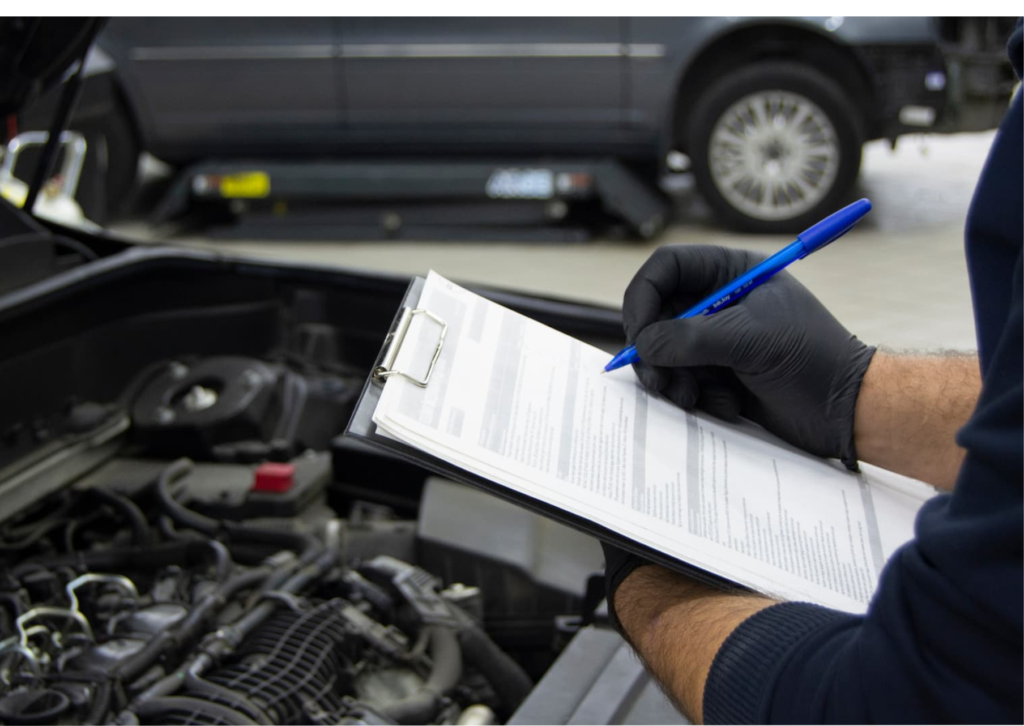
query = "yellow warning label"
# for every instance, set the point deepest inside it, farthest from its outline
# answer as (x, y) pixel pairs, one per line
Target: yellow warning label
(248, 185)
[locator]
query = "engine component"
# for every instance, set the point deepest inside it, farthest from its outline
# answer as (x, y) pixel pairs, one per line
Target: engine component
(107, 655)
(179, 631)
(229, 408)
(150, 621)
(529, 569)
(226, 590)
(293, 669)
(423, 705)
(477, 715)
(360, 716)
(419, 589)
(35, 705)
(131, 630)
(238, 491)
(192, 408)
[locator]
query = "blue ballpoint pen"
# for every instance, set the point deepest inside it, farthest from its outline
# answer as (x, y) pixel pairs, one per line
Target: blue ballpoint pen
(814, 238)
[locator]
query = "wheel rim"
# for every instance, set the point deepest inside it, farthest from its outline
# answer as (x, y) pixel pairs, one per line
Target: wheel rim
(773, 155)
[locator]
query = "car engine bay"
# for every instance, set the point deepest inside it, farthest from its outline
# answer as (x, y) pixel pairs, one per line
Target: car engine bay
(189, 553)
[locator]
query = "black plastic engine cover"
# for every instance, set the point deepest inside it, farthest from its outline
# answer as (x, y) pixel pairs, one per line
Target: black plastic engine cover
(191, 408)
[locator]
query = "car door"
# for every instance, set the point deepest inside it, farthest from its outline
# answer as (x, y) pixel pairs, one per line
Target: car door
(222, 85)
(492, 82)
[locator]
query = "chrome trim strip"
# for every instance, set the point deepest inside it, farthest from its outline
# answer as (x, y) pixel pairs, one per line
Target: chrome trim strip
(638, 51)
(239, 52)
(501, 50)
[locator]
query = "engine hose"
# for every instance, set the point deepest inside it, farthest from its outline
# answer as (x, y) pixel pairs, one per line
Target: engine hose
(137, 664)
(21, 570)
(243, 553)
(180, 552)
(14, 602)
(166, 526)
(35, 534)
(190, 627)
(158, 709)
(249, 553)
(100, 703)
(239, 701)
(304, 545)
(178, 512)
(324, 562)
(288, 584)
(141, 534)
(422, 706)
(509, 681)
(221, 560)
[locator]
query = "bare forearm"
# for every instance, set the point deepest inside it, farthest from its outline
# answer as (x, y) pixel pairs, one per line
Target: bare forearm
(677, 626)
(909, 410)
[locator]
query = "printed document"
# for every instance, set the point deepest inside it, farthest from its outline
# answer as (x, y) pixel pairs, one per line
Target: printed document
(527, 407)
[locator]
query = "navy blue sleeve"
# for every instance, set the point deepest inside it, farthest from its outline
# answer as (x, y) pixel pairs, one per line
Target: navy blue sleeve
(942, 640)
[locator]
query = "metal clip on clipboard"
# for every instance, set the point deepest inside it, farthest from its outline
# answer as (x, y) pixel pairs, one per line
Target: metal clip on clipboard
(394, 342)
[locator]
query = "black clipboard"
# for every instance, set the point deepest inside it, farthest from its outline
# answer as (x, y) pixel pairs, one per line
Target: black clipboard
(363, 430)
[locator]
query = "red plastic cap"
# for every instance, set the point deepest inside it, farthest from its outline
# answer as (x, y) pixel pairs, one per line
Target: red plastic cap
(274, 478)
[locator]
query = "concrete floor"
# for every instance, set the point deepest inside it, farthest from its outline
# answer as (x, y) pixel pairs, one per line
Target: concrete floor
(899, 280)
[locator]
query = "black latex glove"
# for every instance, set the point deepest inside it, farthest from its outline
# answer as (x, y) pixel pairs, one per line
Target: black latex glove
(618, 564)
(776, 356)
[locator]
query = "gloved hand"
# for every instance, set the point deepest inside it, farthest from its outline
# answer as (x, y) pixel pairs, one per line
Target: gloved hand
(776, 356)
(618, 564)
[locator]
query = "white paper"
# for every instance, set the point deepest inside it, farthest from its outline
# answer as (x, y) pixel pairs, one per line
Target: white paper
(527, 407)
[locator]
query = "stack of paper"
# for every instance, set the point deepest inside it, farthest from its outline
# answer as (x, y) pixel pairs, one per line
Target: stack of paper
(528, 408)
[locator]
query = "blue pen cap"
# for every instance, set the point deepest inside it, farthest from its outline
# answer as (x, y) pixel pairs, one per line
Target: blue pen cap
(834, 226)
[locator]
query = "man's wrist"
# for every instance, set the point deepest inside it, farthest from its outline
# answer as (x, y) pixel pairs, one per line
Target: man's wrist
(618, 565)
(871, 409)
(908, 412)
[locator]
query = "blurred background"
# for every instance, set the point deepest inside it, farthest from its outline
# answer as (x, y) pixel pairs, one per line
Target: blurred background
(550, 155)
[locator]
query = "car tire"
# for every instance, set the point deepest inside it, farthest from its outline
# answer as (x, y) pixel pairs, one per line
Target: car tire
(122, 146)
(774, 147)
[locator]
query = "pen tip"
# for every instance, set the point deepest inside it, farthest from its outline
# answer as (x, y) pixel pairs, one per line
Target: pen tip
(603, 371)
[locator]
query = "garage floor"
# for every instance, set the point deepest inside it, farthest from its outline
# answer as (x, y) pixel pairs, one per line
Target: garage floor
(899, 280)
